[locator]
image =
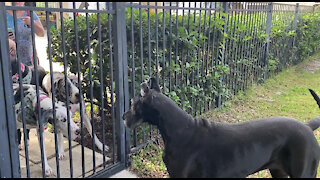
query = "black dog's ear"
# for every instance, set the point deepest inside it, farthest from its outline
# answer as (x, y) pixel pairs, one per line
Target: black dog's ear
(144, 89)
(154, 84)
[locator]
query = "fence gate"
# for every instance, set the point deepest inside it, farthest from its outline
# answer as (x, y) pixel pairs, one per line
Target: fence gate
(83, 41)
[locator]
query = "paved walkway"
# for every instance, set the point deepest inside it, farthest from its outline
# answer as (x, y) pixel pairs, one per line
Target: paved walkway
(64, 165)
(124, 174)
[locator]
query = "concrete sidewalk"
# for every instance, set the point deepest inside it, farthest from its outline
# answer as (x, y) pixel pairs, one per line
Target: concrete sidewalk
(124, 174)
(35, 164)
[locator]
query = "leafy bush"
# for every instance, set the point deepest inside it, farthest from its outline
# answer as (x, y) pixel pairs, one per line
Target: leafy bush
(190, 72)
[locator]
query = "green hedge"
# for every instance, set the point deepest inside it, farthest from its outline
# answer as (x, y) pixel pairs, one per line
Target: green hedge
(200, 74)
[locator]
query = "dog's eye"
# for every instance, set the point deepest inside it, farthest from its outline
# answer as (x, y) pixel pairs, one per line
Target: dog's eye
(64, 120)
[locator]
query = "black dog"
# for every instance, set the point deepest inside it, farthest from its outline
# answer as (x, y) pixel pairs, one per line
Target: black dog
(202, 148)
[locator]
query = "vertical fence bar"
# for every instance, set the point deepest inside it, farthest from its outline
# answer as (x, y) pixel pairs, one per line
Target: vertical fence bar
(233, 50)
(267, 44)
(157, 44)
(176, 45)
(10, 163)
(183, 62)
(40, 124)
(125, 132)
(149, 45)
(254, 41)
(203, 58)
(53, 92)
(142, 65)
(261, 19)
(187, 58)
(295, 22)
(66, 88)
(149, 57)
(163, 46)
(101, 86)
(222, 49)
(192, 73)
(119, 26)
(242, 50)
(238, 48)
(208, 51)
(80, 89)
(213, 102)
(113, 118)
(133, 72)
(91, 90)
(170, 45)
(25, 130)
(249, 50)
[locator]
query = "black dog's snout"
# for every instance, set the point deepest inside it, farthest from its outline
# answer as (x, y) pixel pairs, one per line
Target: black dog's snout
(77, 132)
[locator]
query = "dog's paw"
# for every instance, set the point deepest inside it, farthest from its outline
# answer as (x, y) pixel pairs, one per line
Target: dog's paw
(49, 171)
(106, 148)
(62, 156)
(20, 147)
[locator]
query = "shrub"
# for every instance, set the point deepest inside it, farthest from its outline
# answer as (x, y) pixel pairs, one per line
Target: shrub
(190, 72)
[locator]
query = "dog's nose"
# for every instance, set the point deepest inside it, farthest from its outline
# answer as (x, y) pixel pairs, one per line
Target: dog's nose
(77, 132)
(77, 96)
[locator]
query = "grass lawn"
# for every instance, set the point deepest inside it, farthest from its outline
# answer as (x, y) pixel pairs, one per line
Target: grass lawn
(285, 94)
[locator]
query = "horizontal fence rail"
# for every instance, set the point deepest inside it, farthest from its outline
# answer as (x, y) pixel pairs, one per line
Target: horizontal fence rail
(201, 53)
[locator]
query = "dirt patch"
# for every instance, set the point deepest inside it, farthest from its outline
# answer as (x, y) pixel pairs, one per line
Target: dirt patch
(312, 66)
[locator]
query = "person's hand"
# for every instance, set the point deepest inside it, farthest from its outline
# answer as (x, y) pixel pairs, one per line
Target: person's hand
(26, 20)
(12, 47)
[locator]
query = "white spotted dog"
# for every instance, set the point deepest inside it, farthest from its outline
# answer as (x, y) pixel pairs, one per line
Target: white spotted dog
(74, 97)
(31, 116)
(28, 77)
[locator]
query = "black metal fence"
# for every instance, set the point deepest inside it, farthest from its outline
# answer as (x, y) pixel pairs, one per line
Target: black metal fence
(200, 52)
(110, 129)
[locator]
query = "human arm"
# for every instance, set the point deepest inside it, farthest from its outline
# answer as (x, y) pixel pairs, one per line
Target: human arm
(38, 28)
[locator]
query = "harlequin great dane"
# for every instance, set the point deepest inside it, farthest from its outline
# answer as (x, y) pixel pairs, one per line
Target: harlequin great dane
(201, 148)
(74, 97)
(28, 77)
(46, 109)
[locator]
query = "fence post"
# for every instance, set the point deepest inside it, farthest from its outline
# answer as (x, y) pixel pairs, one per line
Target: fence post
(267, 44)
(120, 57)
(222, 48)
(295, 20)
(9, 154)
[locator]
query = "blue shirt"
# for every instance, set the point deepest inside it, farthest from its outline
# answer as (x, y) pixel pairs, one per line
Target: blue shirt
(24, 48)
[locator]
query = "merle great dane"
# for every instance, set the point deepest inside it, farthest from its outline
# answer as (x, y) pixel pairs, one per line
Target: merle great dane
(201, 148)
(46, 109)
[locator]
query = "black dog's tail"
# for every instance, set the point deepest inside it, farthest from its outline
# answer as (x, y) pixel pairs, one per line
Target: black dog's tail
(314, 123)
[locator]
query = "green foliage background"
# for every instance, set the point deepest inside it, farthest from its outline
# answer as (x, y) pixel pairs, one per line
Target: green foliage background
(184, 52)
